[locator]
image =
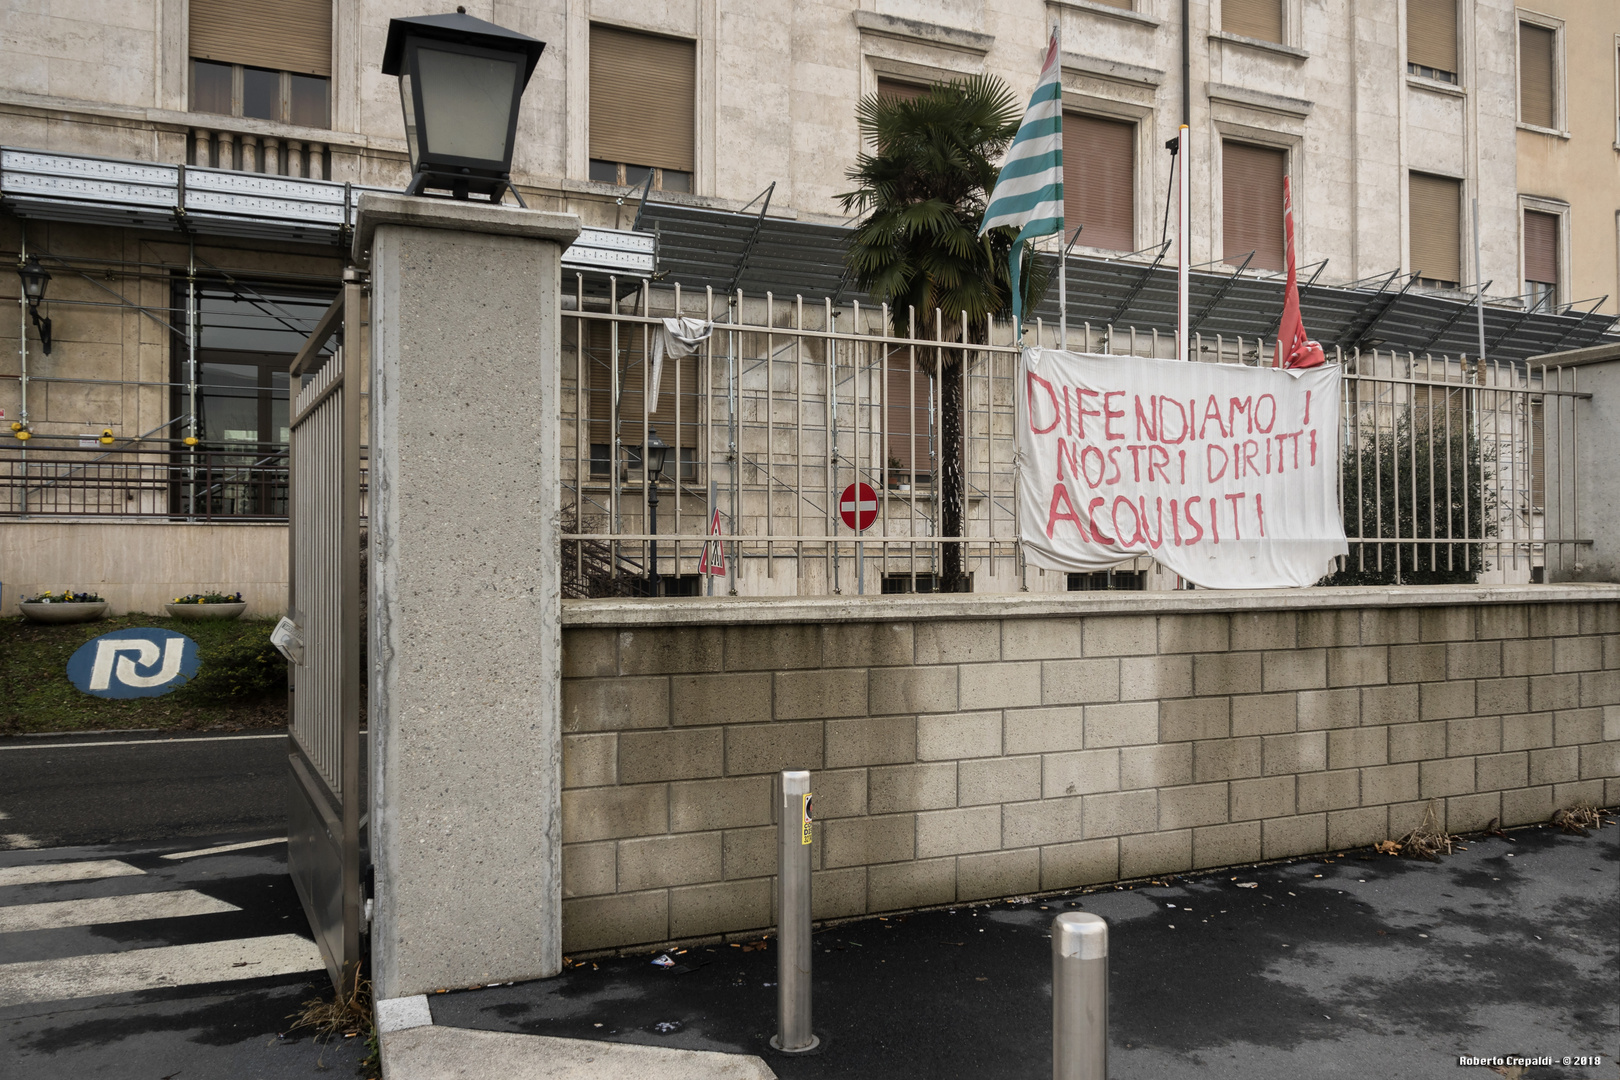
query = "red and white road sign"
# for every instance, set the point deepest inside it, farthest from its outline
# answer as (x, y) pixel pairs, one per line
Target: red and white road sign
(713, 562)
(858, 506)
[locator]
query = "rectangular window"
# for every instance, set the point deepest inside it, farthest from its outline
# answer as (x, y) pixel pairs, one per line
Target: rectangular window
(1099, 167)
(246, 339)
(1541, 258)
(643, 107)
(670, 418)
(681, 584)
(1538, 98)
(905, 91)
(1102, 580)
(1252, 199)
(906, 583)
(1261, 19)
(1431, 39)
(263, 61)
(1436, 231)
(908, 414)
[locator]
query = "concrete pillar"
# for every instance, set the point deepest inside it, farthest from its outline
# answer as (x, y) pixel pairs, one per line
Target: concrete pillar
(465, 642)
(1581, 492)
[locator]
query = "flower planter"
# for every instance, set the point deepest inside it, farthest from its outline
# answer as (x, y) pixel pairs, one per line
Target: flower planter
(205, 611)
(64, 613)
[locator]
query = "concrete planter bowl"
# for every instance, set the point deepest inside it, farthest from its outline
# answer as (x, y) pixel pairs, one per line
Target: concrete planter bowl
(64, 613)
(198, 612)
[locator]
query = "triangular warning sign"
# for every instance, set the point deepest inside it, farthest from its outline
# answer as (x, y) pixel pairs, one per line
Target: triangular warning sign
(713, 562)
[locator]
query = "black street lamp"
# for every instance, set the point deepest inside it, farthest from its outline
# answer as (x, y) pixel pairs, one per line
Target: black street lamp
(652, 459)
(34, 278)
(461, 81)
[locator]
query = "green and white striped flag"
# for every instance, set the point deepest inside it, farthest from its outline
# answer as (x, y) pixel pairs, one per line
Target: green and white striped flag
(1029, 191)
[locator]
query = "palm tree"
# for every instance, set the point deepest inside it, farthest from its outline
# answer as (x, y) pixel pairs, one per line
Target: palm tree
(923, 183)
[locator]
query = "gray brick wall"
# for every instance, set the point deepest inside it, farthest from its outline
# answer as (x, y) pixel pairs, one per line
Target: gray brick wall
(965, 758)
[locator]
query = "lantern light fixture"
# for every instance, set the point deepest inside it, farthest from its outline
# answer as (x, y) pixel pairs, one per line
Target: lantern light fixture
(461, 81)
(34, 279)
(654, 452)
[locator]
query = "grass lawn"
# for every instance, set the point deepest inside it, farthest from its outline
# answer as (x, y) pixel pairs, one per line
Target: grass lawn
(241, 680)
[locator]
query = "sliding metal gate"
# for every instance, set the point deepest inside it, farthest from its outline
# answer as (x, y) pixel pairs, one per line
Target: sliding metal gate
(324, 815)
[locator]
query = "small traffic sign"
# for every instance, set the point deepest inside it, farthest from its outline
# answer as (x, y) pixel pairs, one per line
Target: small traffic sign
(713, 562)
(858, 506)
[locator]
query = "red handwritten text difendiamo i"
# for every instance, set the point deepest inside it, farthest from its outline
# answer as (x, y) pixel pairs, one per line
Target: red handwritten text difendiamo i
(1183, 444)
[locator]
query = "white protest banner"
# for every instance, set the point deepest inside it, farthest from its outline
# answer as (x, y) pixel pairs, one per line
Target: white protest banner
(1227, 475)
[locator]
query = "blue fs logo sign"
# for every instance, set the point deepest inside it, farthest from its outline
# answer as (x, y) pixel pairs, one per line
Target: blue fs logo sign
(144, 662)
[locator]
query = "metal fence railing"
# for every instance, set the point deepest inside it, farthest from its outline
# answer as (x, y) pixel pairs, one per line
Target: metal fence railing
(46, 480)
(1454, 469)
(50, 480)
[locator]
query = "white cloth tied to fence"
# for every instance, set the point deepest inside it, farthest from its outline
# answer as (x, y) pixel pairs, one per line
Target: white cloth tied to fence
(677, 338)
(1227, 475)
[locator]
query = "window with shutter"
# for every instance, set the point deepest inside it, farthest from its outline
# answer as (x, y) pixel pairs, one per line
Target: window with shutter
(1431, 39)
(1436, 230)
(1538, 100)
(1252, 204)
(676, 418)
(906, 413)
(643, 108)
(1261, 19)
(1099, 167)
(905, 91)
(1541, 257)
(265, 61)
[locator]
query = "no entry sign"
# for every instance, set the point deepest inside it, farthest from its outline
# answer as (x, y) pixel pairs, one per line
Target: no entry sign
(858, 506)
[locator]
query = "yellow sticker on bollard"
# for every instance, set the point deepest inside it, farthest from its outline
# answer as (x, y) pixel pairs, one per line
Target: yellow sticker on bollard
(804, 820)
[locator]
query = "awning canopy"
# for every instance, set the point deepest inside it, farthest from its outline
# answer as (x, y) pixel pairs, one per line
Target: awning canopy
(727, 251)
(223, 202)
(756, 253)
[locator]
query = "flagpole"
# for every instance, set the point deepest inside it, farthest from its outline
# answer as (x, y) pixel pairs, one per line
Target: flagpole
(1183, 255)
(1063, 298)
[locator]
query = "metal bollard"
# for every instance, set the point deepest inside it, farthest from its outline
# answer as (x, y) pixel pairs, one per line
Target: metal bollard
(793, 1034)
(1079, 997)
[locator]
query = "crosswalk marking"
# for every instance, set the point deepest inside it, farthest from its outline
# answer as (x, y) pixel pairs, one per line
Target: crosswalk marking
(56, 914)
(47, 873)
(222, 849)
(150, 969)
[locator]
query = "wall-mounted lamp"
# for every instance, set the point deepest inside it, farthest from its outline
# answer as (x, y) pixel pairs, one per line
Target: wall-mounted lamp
(34, 278)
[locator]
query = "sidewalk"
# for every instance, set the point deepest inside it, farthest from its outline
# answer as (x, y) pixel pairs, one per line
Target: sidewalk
(1363, 965)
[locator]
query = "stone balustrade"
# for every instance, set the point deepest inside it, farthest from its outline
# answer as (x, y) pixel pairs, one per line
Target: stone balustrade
(249, 152)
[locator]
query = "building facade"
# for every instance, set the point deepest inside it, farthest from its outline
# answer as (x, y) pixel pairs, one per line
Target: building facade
(1401, 125)
(1569, 154)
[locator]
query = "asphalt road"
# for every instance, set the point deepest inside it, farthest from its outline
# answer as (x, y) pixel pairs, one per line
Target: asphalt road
(99, 977)
(150, 968)
(62, 790)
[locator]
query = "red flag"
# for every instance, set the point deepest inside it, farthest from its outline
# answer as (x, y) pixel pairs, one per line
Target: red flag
(1294, 349)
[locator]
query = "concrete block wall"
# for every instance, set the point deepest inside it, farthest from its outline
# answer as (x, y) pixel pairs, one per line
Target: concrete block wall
(973, 747)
